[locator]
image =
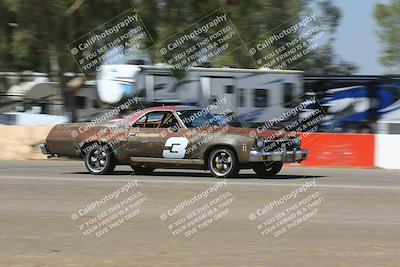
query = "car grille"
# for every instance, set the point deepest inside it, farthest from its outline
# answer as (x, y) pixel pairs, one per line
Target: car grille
(275, 145)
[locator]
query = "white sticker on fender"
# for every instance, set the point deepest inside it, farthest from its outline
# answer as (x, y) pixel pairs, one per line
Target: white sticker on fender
(175, 148)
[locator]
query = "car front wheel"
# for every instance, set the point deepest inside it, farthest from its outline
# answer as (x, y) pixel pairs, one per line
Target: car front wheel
(223, 163)
(268, 169)
(100, 160)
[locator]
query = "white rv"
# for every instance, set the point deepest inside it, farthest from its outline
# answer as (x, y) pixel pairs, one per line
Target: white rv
(254, 94)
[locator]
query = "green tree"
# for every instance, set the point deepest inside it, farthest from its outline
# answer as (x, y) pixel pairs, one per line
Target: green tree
(388, 18)
(35, 34)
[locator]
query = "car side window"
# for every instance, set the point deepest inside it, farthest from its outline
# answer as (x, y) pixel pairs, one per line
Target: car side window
(141, 121)
(157, 119)
(154, 119)
(169, 121)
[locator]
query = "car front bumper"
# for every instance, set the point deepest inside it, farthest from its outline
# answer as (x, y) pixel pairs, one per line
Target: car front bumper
(290, 156)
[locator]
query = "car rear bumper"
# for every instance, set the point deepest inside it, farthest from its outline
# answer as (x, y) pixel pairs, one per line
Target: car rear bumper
(44, 150)
(282, 156)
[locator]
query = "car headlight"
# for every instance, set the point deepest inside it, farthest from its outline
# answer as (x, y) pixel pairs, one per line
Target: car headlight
(260, 143)
(297, 142)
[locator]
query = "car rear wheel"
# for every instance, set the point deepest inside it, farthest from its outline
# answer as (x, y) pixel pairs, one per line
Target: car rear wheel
(100, 160)
(142, 170)
(223, 163)
(268, 168)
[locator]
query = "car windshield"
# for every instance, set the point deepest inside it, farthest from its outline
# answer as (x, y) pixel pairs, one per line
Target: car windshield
(202, 118)
(198, 118)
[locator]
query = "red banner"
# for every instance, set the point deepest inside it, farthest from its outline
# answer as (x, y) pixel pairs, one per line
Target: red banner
(340, 150)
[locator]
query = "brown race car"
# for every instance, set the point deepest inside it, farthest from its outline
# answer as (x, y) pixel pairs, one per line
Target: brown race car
(174, 137)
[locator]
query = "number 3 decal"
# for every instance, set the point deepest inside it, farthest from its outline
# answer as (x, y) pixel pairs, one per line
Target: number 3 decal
(177, 148)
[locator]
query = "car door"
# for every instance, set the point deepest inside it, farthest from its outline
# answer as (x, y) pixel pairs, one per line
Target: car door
(174, 138)
(147, 141)
(160, 135)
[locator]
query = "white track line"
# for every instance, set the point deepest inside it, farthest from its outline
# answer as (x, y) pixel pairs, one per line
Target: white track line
(229, 182)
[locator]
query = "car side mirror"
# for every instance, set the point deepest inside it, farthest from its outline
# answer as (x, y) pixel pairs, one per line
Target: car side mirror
(174, 128)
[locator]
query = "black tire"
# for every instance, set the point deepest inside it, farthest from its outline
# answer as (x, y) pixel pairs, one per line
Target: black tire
(142, 170)
(100, 160)
(223, 163)
(268, 169)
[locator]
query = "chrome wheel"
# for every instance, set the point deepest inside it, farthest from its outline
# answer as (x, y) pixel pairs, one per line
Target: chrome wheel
(97, 159)
(223, 163)
(100, 160)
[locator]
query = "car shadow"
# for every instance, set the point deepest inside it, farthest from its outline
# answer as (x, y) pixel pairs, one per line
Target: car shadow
(238, 177)
(206, 175)
(277, 177)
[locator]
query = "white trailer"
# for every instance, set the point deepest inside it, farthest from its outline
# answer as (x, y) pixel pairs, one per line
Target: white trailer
(254, 94)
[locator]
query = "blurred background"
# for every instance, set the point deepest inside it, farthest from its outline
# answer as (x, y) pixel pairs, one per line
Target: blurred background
(352, 75)
(42, 84)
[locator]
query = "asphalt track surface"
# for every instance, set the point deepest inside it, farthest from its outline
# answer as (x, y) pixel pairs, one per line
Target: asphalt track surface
(357, 223)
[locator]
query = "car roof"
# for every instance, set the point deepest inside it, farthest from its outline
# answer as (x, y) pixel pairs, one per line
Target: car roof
(170, 108)
(135, 116)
